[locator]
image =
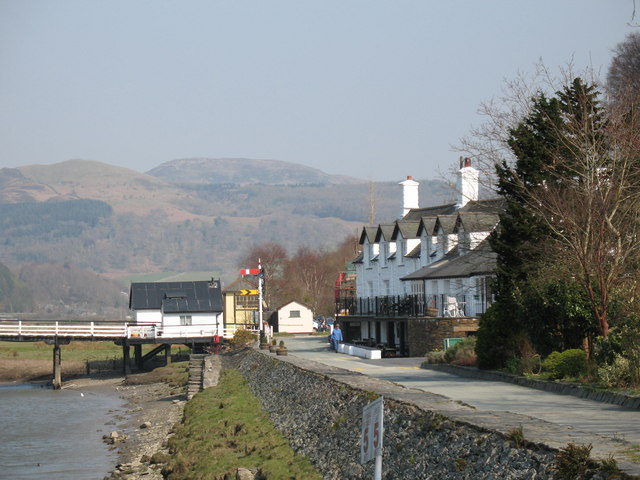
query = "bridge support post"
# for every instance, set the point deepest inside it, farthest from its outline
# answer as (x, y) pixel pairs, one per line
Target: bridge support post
(126, 369)
(57, 366)
(167, 354)
(137, 356)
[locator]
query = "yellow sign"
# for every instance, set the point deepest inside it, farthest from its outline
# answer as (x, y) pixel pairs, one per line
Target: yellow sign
(248, 292)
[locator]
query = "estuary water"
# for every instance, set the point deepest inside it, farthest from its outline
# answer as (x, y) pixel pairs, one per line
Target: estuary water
(48, 434)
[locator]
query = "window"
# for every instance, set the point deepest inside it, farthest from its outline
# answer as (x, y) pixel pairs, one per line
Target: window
(294, 314)
(185, 319)
(246, 302)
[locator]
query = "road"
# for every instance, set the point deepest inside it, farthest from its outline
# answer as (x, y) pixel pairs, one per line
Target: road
(598, 418)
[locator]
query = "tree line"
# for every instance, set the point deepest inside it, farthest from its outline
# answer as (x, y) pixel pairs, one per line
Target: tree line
(307, 276)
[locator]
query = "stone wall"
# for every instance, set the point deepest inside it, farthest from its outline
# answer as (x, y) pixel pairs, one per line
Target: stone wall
(428, 334)
(321, 417)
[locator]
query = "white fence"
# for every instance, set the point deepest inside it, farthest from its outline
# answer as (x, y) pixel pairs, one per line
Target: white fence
(109, 330)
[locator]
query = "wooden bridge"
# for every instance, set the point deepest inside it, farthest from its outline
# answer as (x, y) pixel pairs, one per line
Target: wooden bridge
(62, 332)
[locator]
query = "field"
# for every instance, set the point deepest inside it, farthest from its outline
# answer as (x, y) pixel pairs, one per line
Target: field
(29, 361)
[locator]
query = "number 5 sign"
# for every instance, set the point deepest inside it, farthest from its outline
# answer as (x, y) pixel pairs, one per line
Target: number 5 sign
(372, 431)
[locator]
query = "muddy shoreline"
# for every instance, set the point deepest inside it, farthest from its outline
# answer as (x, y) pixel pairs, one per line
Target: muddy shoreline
(140, 429)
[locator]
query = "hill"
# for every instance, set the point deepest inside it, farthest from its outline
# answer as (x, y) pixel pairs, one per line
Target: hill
(115, 221)
(243, 171)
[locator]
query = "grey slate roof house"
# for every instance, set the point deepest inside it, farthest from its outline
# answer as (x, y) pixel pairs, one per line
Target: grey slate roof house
(433, 262)
(192, 308)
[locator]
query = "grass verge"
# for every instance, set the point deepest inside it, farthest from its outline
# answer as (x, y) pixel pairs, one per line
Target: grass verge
(225, 428)
(29, 361)
(175, 375)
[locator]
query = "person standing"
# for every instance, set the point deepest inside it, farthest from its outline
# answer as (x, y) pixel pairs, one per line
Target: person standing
(336, 337)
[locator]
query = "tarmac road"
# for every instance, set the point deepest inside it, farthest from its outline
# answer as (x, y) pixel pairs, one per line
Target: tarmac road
(603, 419)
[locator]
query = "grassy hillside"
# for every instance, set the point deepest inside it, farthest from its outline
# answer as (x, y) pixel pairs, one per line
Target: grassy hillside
(121, 223)
(127, 191)
(243, 171)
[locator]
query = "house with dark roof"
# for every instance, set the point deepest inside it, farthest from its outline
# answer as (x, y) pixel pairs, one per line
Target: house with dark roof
(431, 267)
(178, 309)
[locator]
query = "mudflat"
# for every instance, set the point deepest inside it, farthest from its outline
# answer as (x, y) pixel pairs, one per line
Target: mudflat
(142, 428)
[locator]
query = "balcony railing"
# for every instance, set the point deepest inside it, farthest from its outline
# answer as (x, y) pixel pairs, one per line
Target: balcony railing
(413, 306)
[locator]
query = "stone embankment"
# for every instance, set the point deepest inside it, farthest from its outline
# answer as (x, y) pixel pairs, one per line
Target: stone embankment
(320, 412)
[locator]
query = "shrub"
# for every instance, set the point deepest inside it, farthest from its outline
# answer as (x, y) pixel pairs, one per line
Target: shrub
(568, 364)
(573, 462)
(462, 353)
(243, 337)
(434, 357)
(516, 435)
(615, 374)
(618, 356)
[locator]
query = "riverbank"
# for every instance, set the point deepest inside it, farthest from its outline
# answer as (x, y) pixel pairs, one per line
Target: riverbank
(141, 428)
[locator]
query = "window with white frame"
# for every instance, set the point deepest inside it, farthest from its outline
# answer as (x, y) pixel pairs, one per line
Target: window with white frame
(185, 320)
(294, 314)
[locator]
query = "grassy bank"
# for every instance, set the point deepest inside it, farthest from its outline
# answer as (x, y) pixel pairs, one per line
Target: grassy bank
(28, 361)
(225, 428)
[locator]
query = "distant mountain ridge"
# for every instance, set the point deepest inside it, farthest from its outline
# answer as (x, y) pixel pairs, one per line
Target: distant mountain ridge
(243, 171)
(116, 221)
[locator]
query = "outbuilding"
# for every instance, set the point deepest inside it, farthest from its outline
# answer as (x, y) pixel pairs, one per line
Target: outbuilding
(294, 317)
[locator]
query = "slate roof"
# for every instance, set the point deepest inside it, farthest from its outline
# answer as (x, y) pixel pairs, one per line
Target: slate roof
(477, 262)
(177, 297)
(385, 231)
(369, 233)
(242, 283)
(490, 205)
(416, 214)
(415, 253)
(447, 223)
(478, 222)
(427, 224)
(408, 229)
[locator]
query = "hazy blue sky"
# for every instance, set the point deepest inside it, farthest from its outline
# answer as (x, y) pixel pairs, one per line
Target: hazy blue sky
(367, 88)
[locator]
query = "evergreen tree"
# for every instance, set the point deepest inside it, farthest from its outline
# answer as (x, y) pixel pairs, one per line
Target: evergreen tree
(540, 191)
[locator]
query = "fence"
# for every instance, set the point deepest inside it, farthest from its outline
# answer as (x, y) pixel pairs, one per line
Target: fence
(413, 306)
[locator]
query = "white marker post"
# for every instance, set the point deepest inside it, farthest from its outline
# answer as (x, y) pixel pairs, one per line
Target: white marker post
(372, 435)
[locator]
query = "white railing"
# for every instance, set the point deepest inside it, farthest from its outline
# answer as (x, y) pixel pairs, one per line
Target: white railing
(105, 330)
(73, 329)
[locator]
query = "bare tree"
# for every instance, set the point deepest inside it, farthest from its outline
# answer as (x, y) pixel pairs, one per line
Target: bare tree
(274, 260)
(623, 78)
(588, 191)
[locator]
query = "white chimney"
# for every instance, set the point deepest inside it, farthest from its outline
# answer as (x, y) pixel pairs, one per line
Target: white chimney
(409, 195)
(467, 183)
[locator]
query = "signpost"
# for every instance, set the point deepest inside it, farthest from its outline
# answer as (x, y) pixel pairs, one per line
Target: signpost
(255, 271)
(372, 435)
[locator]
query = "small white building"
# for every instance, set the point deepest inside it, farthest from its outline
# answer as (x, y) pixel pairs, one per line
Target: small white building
(295, 317)
(178, 309)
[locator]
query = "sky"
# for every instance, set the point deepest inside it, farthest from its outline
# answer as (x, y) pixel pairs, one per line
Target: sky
(374, 89)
